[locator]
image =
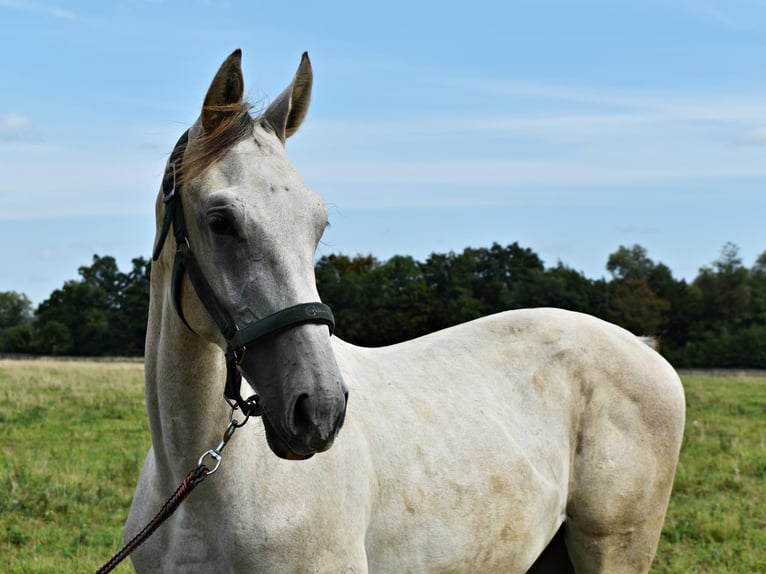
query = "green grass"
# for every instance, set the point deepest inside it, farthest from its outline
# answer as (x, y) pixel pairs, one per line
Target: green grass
(73, 436)
(716, 521)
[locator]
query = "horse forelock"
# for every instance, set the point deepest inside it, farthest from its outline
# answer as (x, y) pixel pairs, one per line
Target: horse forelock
(208, 147)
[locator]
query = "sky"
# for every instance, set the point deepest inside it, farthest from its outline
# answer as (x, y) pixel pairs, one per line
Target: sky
(571, 127)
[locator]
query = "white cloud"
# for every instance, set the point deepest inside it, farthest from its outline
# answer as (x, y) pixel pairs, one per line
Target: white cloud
(72, 186)
(38, 8)
(546, 154)
(16, 127)
(81, 176)
(604, 101)
(753, 137)
(65, 14)
(553, 92)
(623, 139)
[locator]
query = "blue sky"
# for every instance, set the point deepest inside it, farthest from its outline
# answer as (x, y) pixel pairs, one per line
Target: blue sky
(572, 127)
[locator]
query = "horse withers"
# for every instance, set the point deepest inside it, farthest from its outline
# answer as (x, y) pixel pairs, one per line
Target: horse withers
(536, 440)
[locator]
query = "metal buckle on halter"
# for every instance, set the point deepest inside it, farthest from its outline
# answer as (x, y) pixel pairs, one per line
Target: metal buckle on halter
(183, 246)
(251, 407)
(232, 392)
(215, 453)
(168, 195)
(237, 352)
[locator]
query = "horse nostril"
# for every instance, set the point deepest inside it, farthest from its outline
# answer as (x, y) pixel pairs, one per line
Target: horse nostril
(302, 419)
(315, 423)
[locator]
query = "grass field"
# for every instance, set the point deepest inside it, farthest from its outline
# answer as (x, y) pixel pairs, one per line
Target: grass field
(73, 436)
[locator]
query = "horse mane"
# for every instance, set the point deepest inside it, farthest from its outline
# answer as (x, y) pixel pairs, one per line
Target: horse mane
(235, 125)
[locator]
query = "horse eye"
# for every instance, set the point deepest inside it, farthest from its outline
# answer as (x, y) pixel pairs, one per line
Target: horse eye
(220, 225)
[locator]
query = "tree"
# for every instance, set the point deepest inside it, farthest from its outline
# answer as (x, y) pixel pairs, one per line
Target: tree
(399, 306)
(725, 290)
(131, 310)
(508, 277)
(629, 263)
(104, 313)
(450, 279)
(73, 321)
(758, 291)
(634, 306)
(342, 282)
(569, 289)
(15, 322)
(15, 309)
(633, 303)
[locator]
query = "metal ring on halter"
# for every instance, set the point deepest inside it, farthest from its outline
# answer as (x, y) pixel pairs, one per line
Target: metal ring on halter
(215, 455)
(234, 423)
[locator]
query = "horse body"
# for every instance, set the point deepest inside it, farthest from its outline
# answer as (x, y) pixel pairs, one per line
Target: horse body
(525, 419)
(462, 451)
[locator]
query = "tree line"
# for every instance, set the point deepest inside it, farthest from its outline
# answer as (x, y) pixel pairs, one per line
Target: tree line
(103, 313)
(716, 320)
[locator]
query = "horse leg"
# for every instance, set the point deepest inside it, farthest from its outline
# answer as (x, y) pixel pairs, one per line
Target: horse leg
(616, 508)
(555, 558)
(626, 552)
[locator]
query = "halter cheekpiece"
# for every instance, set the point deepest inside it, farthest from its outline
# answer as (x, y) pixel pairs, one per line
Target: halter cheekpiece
(185, 263)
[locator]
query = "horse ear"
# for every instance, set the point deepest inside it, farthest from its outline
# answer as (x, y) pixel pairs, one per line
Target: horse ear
(287, 111)
(224, 96)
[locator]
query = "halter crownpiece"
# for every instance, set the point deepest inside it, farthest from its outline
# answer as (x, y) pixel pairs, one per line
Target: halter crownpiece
(185, 263)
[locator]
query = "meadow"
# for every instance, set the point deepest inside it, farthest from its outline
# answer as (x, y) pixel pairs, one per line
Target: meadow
(73, 435)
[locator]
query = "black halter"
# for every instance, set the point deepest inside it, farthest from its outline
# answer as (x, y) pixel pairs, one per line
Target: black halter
(236, 338)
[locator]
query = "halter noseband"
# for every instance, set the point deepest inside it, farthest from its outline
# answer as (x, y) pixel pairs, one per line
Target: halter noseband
(237, 338)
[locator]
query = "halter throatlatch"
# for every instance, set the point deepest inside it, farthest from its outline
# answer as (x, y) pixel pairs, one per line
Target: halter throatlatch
(237, 338)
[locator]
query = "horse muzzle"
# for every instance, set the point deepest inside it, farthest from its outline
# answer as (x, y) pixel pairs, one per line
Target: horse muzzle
(307, 428)
(303, 405)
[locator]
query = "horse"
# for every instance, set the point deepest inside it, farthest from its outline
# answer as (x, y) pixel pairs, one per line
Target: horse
(534, 440)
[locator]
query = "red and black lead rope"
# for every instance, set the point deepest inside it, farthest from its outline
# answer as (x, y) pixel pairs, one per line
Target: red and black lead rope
(195, 477)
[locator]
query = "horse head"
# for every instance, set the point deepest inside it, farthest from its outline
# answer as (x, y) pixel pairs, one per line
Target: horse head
(246, 228)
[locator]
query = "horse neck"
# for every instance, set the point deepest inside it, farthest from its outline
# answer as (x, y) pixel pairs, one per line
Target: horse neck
(184, 379)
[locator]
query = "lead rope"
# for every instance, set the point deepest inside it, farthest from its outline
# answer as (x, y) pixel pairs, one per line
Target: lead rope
(194, 478)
